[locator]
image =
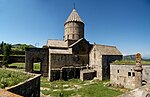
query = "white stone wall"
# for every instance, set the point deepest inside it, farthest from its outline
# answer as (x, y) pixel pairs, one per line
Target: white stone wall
(146, 73)
(119, 75)
(95, 62)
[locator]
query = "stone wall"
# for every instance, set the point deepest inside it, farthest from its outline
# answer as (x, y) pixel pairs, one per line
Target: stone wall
(17, 52)
(101, 63)
(95, 62)
(64, 60)
(34, 55)
(65, 63)
(65, 73)
(146, 73)
(106, 60)
(87, 74)
(124, 75)
(73, 30)
(20, 59)
(14, 58)
(28, 88)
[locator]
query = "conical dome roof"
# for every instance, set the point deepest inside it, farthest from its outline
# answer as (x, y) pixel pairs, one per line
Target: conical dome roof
(74, 17)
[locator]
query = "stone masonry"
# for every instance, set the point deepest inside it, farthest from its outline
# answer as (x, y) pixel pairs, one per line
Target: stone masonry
(34, 55)
(64, 59)
(124, 74)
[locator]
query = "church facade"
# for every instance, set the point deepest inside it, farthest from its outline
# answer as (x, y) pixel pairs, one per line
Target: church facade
(67, 58)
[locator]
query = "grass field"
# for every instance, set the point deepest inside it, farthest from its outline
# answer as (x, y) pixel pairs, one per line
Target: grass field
(130, 62)
(9, 78)
(77, 88)
(36, 66)
(18, 65)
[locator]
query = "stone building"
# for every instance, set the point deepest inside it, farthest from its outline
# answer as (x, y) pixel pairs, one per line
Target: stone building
(100, 58)
(125, 75)
(64, 59)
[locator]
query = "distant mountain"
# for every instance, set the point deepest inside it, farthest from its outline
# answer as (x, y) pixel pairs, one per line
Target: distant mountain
(129, 57)
(132, 57)
(19, 45)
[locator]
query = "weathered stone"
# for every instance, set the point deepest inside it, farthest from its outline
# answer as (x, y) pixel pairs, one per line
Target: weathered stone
(28, 88)
(125, 75)
(34, 55)
(143, 91)
(63, 59)
(87, 74)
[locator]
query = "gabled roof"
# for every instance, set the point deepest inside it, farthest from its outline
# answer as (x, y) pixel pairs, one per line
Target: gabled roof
(74, 17)
(57, 43)
(107, 50)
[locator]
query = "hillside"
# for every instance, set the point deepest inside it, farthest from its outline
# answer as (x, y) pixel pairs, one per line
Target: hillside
(132, 57)
(18, 49)
(21, 47)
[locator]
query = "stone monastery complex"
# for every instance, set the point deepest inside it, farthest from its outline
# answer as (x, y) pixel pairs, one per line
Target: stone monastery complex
(70, 58)
(75, 57)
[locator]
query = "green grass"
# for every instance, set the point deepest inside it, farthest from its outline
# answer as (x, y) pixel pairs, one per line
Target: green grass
(130, 62)
(95, 89)
(36, 66)
(9, 78)
(18, 65)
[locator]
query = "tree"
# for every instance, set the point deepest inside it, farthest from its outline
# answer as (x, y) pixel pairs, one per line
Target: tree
(1, 46)
(6, 54)
(23, 46)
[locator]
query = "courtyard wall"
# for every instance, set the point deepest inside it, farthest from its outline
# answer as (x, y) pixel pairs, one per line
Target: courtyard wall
(28, 88)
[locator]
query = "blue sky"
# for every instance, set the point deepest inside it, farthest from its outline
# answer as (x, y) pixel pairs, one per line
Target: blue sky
(121, 23)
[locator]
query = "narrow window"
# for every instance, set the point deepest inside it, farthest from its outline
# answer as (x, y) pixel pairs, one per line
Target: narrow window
(118, 71)
(94, 54)
(133, 74)
(73, 36)
(68, 37)
(129, 73)
(78, 58)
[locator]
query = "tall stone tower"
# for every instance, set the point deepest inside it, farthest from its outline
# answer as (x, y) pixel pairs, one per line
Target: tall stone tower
(138, 71)
(73, 27)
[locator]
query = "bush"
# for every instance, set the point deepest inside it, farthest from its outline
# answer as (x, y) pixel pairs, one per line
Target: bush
(6, 54)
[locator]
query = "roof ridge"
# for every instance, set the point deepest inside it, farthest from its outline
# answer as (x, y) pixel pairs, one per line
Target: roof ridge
(56, 39)
(76, 42)
(104, 45)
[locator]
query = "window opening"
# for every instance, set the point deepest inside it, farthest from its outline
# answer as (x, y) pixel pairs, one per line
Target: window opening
(129, 73)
